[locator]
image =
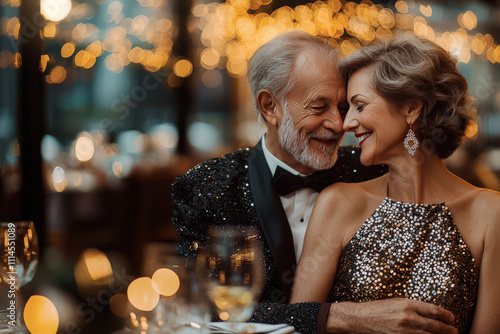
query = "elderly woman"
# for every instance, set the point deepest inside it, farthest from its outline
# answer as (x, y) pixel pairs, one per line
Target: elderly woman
(418, 232)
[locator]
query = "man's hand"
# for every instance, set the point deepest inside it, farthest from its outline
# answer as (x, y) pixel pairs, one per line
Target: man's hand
(395, 315)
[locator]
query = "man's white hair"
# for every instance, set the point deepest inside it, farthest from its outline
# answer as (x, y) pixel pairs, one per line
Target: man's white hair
(273, 63)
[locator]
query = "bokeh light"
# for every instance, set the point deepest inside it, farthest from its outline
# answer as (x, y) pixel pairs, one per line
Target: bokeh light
(142, 294)
(40, 315)
(92, 271)
(67, 50)
(117, 168)
(166, 282)
(212, 78)
(97, 263)
(57, 75)
(122, 165)
(55, 10)
(402, 6)
(84, 148)
(426, 10)
(231, 31)
(58, 174)
(472, 131)
(165, 136)
(209, 58)
(59, 181)
(468, 20)
(44, 60)
(183, 68)
(51, 147)
(50, 30)
(203, 136)
(224, 316)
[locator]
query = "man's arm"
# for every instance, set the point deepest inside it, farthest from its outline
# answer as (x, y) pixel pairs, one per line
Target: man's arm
(395, 315)
(302, 316)
(189, 217)
(382, 316)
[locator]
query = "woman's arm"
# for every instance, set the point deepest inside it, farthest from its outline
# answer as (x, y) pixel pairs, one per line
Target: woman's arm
(487, 313)
(317, 266)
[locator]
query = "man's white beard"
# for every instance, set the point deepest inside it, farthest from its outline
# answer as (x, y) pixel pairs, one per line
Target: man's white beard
(297, 144)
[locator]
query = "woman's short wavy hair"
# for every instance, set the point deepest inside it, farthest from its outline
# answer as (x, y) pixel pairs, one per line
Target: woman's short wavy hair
(272, 65)
(409, 68)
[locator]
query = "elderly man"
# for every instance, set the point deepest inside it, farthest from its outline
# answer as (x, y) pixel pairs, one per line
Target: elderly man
(273, 186)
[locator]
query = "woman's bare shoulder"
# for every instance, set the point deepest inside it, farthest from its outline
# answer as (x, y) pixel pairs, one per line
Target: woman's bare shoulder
(349, 202)
(341, 189)
(488, 195)
(486, 202)
(477, 210)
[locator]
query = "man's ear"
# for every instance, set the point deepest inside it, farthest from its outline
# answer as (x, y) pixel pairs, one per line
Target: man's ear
(412, 111)
(267, 105)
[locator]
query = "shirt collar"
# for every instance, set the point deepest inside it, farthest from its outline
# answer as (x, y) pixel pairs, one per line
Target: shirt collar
(274, 162)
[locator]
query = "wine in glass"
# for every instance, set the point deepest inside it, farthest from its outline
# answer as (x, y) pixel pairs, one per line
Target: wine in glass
(18, 261)
(234, 271)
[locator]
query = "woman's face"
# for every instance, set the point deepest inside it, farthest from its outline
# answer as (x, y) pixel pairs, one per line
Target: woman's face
(378, 124)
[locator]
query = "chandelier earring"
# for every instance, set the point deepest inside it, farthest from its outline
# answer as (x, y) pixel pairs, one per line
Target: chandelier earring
(411, 142)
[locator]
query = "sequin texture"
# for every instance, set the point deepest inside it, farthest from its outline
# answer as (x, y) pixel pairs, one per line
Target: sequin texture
(414, 251)
(218, 192)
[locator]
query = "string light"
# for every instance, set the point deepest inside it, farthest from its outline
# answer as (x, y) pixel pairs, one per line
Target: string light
(230, 32)
(224, 26)
(55, 10)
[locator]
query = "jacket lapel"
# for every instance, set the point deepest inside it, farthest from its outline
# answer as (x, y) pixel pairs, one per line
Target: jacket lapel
(272, 218)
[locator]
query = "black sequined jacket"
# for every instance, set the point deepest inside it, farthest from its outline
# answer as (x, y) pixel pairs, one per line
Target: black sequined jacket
(236, 189)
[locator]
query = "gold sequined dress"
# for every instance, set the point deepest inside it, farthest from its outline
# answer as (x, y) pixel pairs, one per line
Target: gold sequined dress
(407, 250)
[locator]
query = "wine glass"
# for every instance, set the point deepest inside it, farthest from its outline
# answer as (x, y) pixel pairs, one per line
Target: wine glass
(188, 305)
(182, 303)
(234, 271)
(18, 261)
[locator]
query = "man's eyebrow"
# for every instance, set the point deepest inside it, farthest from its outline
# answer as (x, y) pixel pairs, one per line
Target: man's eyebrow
(319, 98)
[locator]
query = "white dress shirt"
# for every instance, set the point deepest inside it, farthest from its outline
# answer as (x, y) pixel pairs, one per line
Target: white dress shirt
(297, 205)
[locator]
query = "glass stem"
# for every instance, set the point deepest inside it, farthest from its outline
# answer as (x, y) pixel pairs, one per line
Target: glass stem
(19, 310)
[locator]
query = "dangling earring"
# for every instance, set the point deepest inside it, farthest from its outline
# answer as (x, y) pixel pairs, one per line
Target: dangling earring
(411, 142)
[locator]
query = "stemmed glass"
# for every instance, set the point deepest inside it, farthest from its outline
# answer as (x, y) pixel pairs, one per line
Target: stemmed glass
(18, 261)
(233, 271)
(188, 306)
(182, 303)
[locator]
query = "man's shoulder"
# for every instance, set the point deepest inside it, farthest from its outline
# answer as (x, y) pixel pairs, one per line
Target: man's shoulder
(348, 153)
(348, 167)
(214, 183)
(231, 162)
(226, 161)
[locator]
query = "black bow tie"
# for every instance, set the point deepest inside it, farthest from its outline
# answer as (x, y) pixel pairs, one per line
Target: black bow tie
(286, 183)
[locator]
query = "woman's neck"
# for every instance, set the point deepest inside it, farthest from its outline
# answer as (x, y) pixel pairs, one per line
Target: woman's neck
(423, 179)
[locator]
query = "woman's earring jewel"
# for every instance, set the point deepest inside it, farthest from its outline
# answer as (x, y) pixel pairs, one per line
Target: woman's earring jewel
(411, 142)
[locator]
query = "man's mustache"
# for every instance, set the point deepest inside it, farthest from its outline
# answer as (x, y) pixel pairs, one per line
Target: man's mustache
(325, 135)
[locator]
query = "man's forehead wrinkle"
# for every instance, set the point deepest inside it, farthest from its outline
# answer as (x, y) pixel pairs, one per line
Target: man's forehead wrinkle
(325, 94)
(313, 96)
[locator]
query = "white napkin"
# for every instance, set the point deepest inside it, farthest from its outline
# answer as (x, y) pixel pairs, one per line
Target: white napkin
(249, 328)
